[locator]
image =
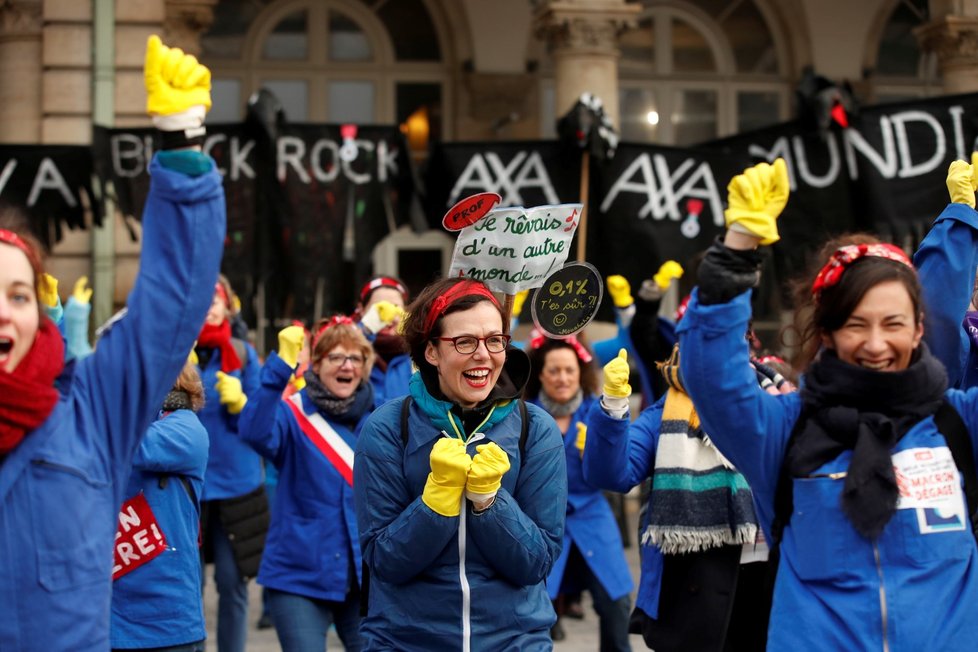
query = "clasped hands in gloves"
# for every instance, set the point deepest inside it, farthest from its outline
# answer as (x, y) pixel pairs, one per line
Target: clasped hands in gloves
(454, 472)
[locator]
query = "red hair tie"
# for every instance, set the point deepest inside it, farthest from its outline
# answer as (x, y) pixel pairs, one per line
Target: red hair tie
(843, 257)
(444, 300)
(537, 339)
(382, 281)
(15, 240)
(335, 320)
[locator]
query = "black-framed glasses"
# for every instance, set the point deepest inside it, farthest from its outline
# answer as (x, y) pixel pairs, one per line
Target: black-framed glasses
(337, 360)
(468, 344)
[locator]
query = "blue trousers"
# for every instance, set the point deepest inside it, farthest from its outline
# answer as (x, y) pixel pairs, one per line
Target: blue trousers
(302, 623)
(232, 591)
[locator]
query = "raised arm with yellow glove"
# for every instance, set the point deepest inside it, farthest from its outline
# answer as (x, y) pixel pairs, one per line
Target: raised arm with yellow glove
(48, 297)
(962, 181)
(449, 471)
(290, 342)
(77, 311)
(620, 291)
(756, 198)
(381, 315)
(178, 94)
(489, 466)
(616, 375)
(668, 272)
(230, 392)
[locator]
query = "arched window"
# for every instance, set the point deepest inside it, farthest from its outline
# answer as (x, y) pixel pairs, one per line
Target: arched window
(898, 68)
(331, 61)
(699, 69)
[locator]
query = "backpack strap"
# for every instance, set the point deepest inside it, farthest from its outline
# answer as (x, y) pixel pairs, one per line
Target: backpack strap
(405, 412)
(952, 426)
(524, 428)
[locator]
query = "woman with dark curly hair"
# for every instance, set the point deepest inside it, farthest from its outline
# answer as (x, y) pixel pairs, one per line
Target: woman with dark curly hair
(458, 545)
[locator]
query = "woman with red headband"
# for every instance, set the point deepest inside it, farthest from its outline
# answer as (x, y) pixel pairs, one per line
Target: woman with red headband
(65, 460)
(853, 480)
(460, 489)
(563, 382)
(380, 310)
(234, 507)
(311, 563)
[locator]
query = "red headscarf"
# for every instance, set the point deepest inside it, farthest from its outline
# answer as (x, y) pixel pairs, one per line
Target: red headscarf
(27, 395)
(444, 300)
(845, 256)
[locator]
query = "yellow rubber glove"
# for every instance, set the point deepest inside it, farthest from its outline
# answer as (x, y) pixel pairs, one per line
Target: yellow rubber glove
(668, 271)
(81, 292)
(962, 181)
(175, 81)
(290, 341)
(48, 290)
(229, 390)
(518, 302)
(581, 437)
(193, 356)
(449, 470)
(616, 377)
(756, 198)
(489, 466)
(381, 315)
(620, 291)
(298, 383)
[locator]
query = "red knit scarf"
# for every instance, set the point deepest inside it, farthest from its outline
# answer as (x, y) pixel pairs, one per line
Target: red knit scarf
(219, 337)
(27, 395)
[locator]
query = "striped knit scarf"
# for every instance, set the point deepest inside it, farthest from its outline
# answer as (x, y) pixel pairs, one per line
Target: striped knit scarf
(698, 500)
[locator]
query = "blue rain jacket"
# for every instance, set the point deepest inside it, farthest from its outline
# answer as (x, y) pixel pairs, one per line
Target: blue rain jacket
(915, 587)
(392, 383)
(233, 467)
(159, 604)
(419, 590)
(61, 488)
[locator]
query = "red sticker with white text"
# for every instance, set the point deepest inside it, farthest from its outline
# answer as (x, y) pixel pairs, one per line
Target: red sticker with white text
(139, 539)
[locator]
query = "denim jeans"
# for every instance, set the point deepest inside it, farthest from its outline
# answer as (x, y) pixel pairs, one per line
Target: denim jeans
(199, 646)
(302, 623)
(232, 591)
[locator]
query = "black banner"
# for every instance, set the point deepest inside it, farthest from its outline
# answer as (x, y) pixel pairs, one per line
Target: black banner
(52, 183)
(302, 222)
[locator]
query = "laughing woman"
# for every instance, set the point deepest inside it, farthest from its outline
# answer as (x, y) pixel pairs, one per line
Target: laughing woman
(65, 460)
(311, 561)
(458, 548)
(852, 474)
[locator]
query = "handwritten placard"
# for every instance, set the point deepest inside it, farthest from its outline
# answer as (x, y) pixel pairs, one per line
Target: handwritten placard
(514, 249)
(568, 300)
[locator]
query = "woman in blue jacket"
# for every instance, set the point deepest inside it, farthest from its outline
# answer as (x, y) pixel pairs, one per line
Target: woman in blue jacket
(876, 549)
(311, 563)
(234, 511)
(563, 382)
(64, 462)
(379, 311)
(158, 605)
(458, 548)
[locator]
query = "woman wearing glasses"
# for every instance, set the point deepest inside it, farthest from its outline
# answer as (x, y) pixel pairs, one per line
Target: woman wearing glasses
(311, 561)
(460, 489)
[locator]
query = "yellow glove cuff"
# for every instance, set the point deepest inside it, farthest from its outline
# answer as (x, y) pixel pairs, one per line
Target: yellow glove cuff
(442, 499)
(759, 225)
(236, 406)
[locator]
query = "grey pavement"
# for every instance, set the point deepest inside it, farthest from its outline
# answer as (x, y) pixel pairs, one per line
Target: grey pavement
(582, 635)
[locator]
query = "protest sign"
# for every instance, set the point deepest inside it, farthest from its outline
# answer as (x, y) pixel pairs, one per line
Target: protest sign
(514, 249)
(568, 300)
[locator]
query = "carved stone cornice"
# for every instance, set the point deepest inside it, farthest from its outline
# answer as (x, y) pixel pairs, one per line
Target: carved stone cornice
(592, 27)
(186, 21)
(953, 38)
(20, 19)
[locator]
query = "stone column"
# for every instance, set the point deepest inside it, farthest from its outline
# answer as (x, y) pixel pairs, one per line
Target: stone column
(582, 36)
(20, 71)
(953, 35)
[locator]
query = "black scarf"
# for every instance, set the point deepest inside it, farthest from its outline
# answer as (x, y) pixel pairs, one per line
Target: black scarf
(177, 399)
(846, 407)
(347, 411)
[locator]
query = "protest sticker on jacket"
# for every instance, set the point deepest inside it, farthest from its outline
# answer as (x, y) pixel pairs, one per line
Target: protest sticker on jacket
(514, 249)
(139, 539)
(928, 481)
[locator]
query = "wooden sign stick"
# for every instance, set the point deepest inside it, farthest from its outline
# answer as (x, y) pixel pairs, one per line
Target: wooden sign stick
(508, 300)
(585, 185)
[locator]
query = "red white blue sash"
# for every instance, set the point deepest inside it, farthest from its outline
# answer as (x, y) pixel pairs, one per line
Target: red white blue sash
(329, 442)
